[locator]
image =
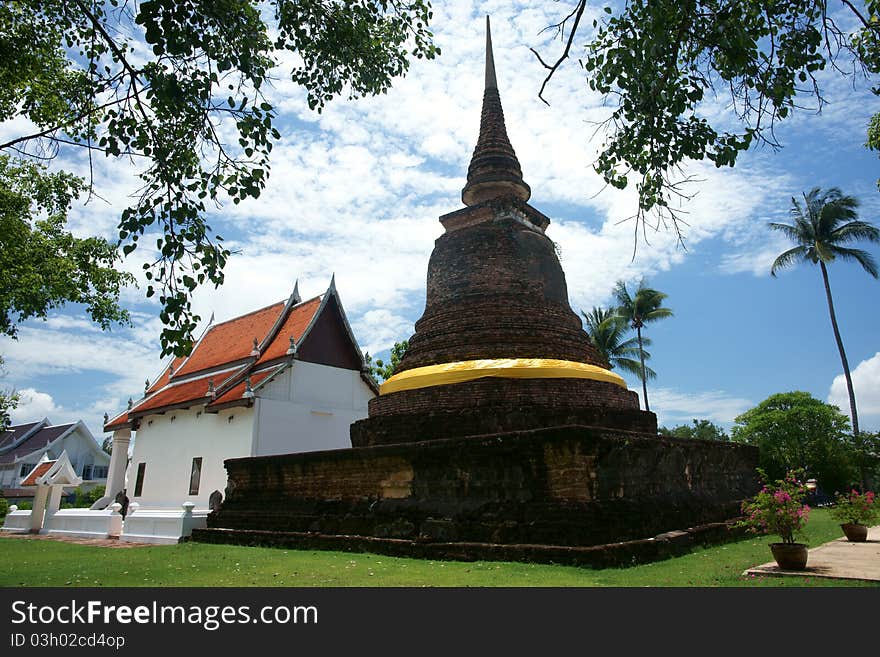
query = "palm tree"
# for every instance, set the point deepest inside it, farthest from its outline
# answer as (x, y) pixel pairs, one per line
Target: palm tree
(607, 332)
(823, 224)
(639, 309)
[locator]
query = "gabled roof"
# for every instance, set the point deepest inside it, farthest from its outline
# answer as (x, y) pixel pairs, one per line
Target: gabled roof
(230, 341)
(54, 472)
(38, 471)
(37, 440)
(15, 434)
(215, 372)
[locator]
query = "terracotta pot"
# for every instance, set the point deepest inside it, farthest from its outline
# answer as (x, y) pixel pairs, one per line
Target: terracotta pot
(790, 556)
(855, 533)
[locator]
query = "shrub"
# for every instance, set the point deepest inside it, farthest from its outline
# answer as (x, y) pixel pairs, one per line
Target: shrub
(778, 508)
(855, 508)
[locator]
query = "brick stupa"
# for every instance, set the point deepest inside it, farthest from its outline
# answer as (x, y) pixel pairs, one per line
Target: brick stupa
(502, 435)
(497, 318)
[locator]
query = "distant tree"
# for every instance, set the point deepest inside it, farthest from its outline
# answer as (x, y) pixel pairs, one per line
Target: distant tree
(699, 429)
(641, 308)
(823, 225)
(795, 430)
(607, 331)
(43, 266)
(9, 399)
(107, 445)
(657, 62)
(177, 89)
(383, 370)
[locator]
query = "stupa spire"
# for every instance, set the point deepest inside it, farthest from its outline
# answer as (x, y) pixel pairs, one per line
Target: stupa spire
(494, 170)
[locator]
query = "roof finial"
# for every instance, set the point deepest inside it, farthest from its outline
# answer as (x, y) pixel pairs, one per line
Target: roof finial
(106, 417)
(295, 297)
(248, 388)
(491, 81)
(494, 171)
(256, 350)
(130, 403)
(212, 393)
(291, 350)
(146, 386)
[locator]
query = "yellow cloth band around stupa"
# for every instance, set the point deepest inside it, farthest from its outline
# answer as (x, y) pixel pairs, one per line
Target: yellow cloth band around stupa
(512, 368)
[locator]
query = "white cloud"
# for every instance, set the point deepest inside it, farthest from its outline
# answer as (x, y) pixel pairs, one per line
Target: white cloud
(677, 407)
(866, 385)
(382, 329)
(34, 405)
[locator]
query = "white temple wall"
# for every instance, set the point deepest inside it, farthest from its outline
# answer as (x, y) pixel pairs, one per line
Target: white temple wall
(309, 408)
(167, 446)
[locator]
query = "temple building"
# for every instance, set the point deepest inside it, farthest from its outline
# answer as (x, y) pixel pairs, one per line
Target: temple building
(284, 378)
(23, 446)
(502, 434)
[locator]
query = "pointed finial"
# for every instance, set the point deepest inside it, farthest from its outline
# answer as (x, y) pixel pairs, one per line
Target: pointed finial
(291, 350)
(332, 283)
(494, 171)
(491, 81)
(130, 403)
(211, 321)
(256, 350)
(248, 389)
(106, 417)
(295, 297)
(146, 386)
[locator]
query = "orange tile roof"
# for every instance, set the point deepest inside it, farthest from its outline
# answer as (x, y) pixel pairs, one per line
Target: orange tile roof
(117, 422)
(231, 341)
(236, 392)
(39, 471)
(165, 376)
(296, 323)
(175, 394)
(222, 345)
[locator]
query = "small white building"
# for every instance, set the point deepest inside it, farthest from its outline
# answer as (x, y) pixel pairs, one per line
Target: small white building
(286, 378)
(23, 446)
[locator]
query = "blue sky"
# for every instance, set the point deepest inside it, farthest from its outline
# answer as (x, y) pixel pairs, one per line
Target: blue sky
(358, 189)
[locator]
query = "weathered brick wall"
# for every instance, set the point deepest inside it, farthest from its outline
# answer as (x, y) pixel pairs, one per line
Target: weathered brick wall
(560, 486)
(495, 405)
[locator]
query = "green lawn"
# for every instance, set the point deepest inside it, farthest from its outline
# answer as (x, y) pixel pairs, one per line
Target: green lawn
(52, 563)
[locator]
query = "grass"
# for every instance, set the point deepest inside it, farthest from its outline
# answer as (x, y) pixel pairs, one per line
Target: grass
(52, 563)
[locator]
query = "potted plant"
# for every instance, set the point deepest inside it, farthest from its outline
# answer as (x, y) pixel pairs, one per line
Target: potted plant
(780, 509)
(854, 512)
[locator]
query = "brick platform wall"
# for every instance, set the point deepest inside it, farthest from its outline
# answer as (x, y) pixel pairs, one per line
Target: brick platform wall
(561, 486)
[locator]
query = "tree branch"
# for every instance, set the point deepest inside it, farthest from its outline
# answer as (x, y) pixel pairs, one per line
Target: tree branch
(578, 11)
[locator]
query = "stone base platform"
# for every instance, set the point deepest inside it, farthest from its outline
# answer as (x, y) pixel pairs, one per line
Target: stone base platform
(627, 553)
(524, 493)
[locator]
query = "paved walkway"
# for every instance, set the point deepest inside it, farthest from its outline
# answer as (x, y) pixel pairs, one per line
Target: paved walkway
(100, 542)
(839, 559)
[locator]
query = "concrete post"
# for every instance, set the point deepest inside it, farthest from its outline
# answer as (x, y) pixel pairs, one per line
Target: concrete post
(53, 502)
(118, 462)
(39, 509)
(118, 466)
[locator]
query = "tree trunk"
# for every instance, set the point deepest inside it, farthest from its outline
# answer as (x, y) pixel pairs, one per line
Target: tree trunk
(642, 359)
(849, 386)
